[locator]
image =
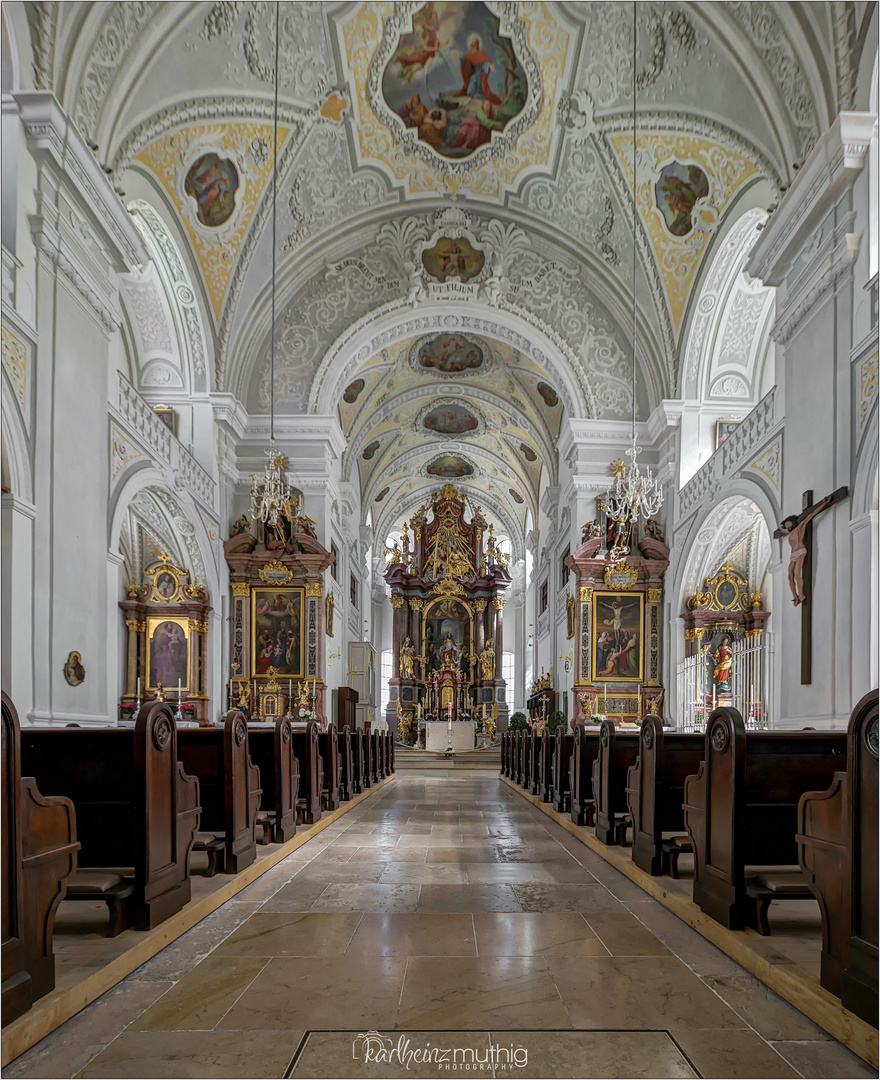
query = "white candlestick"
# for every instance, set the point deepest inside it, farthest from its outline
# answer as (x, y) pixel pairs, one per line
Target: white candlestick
(713, 699)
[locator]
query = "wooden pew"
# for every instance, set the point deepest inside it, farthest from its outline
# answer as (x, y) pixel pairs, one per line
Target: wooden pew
(229, 783)
(39, 854)
(360, 770)
(346, 763)
(531, 780)
(740, 808)
(390, 740)
(521, 750)
(618, 750)
(580, 772)
(505, 743)
(328, 748)
(837, 849)
(376, 773)
(271, 750)
(564, 746)
(135, 805)
(305, 746)
(655, 789)
(514, 757)
(546, 747)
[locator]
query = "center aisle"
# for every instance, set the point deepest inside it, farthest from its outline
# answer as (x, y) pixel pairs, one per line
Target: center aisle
(448, 910)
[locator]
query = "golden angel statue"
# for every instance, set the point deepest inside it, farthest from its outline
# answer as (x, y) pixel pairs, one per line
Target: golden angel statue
(408, 657)
(487, 660)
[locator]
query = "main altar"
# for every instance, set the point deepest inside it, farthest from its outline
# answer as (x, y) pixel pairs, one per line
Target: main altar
(448, 580)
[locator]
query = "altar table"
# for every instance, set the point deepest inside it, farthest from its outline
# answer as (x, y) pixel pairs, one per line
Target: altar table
(437, 734)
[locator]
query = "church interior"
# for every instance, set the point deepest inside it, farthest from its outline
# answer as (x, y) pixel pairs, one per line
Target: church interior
(440, 508)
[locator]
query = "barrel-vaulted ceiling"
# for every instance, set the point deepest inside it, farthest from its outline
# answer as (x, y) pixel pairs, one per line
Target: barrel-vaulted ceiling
(422, 171)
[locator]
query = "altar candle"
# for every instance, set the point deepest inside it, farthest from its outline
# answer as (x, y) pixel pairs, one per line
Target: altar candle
(139, 686)
(713, 699)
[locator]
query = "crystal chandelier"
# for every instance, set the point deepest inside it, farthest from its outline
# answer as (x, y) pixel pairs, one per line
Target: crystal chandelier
(270, 495)
(634, 495)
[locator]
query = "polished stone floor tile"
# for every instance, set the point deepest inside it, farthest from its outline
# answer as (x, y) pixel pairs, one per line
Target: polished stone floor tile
(414, 934)
(220, 1054)
(735, 1055)
(554, 933)
(70, 1047)
(299, 895)
(765, 1011)
(478, 993)
(825, 1060)
(507, 873)
(623, 935)
(393, 854)
(468, 898)
(631, 1055)
(585, 898)
(424, 874)
(646, 992)
(204, 996)
(292, 934)
(348, 871)
(295, 992)
(378, 897)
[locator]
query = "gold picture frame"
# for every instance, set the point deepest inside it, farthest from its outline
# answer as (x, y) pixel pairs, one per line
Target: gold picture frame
(329, 611)
(618, 637)
(168, 648)
(724, 428)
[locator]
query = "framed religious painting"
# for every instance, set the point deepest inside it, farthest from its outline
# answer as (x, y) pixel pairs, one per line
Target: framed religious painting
(277, 631)
(167, 653)
(724, 429)
(618, 636)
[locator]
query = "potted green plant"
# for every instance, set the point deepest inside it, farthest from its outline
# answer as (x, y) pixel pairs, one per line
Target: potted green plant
(557, 719)
(518, 722)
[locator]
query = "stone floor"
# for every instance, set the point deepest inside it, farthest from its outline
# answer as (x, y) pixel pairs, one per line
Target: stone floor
(444, 927)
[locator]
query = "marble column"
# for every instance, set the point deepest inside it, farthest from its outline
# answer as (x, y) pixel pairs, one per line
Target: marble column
(498, 603)
(398, 635)
(480, 625)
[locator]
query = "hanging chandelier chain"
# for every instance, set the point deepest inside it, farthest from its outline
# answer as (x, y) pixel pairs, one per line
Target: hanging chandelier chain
(634, 494)
(271, 499)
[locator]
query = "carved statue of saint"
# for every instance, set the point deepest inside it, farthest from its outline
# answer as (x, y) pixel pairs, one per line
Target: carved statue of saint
(160, 692)
(723, 659)
(487, 661)
(242, 525)
(396, 555)
(408, 660)
(794, 528)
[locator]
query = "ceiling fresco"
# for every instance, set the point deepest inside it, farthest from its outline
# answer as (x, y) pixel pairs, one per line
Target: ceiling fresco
(464, 172)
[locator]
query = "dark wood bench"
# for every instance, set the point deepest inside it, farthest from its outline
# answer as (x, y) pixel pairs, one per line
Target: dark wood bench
(360, 767)
(328, 748)
(346, 763)
(271, 750)
(837, 849)
(580, 772)
(229, 783)
(389, 753)
(618, 751)
(305, 746)
(136, 804)
(530, 776)
(545, 766)
(740, 809)
(39, 853)
(563, 749)
(378, 768)
(655, 790)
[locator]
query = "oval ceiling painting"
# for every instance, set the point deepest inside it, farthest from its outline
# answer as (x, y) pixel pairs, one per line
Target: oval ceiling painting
(352, 391)
(453, 258)
(212, 182)
(383, 493)
(370, 450)
(450, 420)
(515, 495)
(678, 190)
(455, 78)
(451, 354)
(527, 452)
(551, 398)
(450, 466)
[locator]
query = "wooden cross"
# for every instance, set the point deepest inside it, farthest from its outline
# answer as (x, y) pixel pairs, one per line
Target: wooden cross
(799, 533)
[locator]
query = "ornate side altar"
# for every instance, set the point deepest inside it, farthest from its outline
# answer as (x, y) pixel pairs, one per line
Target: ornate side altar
(447, 586)
(617, 628)
(166, 617)
(277, 616)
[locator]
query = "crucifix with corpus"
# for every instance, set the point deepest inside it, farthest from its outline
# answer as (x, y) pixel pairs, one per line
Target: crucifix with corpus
(799, 532)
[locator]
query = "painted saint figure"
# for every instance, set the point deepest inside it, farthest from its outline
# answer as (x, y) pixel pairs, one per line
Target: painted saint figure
(475, 68)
